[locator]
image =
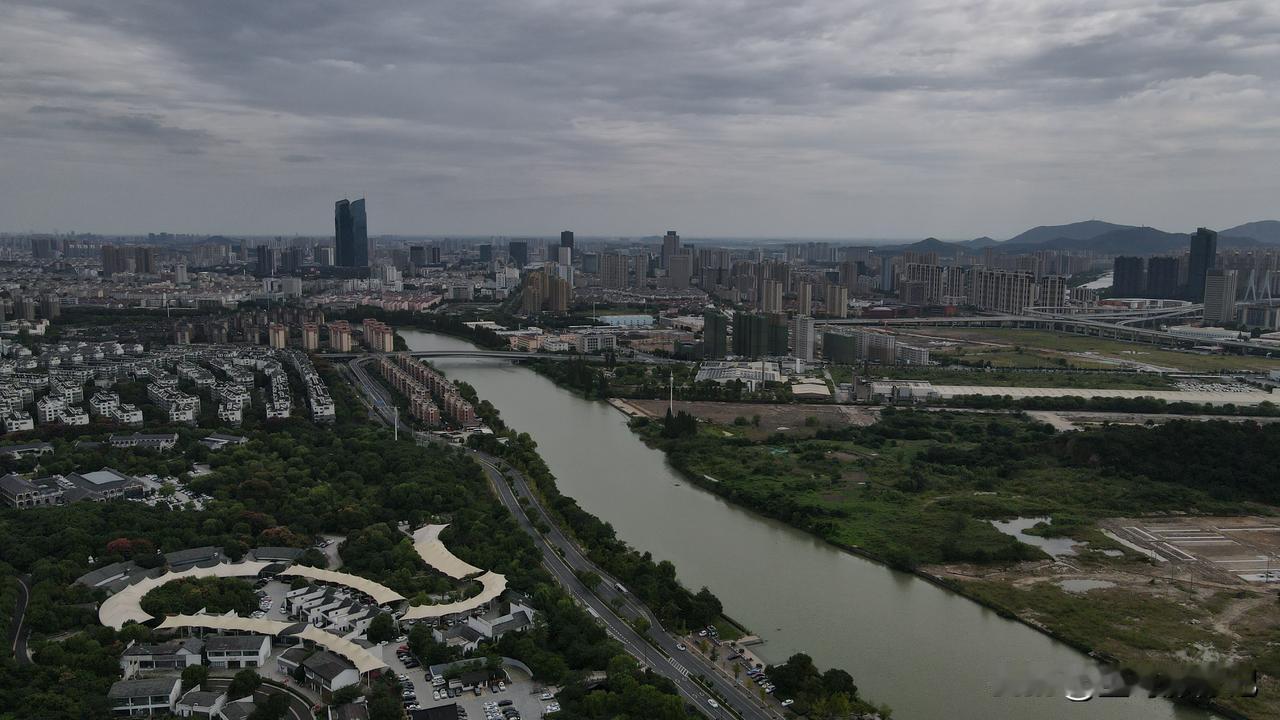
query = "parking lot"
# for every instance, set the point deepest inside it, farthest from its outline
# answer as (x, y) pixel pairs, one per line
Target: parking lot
(521, 693)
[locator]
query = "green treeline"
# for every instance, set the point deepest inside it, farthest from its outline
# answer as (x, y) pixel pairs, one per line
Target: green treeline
(212, 594)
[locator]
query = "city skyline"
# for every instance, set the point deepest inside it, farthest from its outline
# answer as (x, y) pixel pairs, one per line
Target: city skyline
(819, 120)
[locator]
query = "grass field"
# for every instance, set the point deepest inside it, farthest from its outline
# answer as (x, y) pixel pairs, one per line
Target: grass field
(1013, 378)
(1046, 348)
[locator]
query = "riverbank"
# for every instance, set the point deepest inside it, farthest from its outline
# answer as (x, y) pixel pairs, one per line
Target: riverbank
(891, 630)
(1135, 617)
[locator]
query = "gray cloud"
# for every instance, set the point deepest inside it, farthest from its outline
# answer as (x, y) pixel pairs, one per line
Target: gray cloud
(821, 117)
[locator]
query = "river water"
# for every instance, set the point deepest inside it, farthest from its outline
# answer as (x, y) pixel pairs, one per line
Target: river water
(925, 651)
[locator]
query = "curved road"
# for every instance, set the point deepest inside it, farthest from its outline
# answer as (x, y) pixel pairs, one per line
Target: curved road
(562, 558)
(17, 635)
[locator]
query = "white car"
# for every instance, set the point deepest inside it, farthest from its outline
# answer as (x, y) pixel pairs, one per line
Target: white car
(788, 702)
(713, 703)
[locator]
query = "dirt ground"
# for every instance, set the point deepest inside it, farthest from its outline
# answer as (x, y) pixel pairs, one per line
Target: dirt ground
(772, 417)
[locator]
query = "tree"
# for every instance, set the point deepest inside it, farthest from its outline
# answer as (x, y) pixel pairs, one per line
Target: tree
(243, 684)
(194, 676)
(382, 628)
(275, 708)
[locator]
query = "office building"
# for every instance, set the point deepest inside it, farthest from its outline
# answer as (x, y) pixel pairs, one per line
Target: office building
(180, 274)
(1204, 256)
(670, 247)
(486, 253)
(715, 334)
(591, 263)
(1164, 277)
(1220, 297)
(518, 251)
(351, 233)
(566, 239)
(1128, 276)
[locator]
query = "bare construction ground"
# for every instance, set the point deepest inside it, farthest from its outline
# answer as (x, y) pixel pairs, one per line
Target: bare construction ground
(772, 417)
(1230, 550)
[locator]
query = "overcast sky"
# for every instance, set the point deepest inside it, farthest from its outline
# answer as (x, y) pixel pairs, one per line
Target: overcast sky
(812, 118)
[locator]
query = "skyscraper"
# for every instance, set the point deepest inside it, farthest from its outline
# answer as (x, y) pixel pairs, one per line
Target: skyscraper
(566, 238)
(266, 257)
(750, 335)
(351, 233)
(1204, 254)
(1220, 297)
(670, 246)
(518, 251)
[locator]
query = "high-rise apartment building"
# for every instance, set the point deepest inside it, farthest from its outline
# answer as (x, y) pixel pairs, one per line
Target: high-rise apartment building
(715, 335)
(803, 337)
(1204, 256)
(771, 298)
(804, 298)
(837, 301)
(144, 260)
(1129, 276)
(613, 270)
(351, 233)
(1220, 297)
(679, 271)
(1002, 290)
(750, 335)
(266, 261)
(1164, 277)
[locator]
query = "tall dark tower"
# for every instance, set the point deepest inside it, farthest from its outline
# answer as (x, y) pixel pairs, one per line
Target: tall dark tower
(351, 234)
(1204, 255)
(518, 250)
(566, 238)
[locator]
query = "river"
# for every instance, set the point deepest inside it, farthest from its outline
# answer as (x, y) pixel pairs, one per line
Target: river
(925, 651)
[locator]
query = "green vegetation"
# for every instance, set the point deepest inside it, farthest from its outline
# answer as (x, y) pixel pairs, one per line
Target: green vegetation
(647, 381)
(628, 693)
(244, 683)
(1023, 348)
(213, 594)
(918, 487)
(1055, 378)
(829, 694)
(1144, 405)
(288, 484)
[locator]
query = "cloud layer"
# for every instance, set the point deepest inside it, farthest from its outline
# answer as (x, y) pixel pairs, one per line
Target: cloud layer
(842, 118)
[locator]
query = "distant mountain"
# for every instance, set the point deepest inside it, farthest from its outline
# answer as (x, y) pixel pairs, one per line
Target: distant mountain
(1264, 231)
(1073, 231)
(979, 243)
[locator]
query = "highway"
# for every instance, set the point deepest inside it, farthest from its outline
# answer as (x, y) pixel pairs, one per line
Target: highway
(563, 558)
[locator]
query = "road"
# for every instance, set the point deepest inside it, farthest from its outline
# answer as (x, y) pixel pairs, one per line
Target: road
(17, 633)
(562, 558)
(299, 706)
(565, 559)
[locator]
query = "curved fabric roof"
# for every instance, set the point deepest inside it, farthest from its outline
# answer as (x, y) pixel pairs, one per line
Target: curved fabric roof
(381, 594)
(494, 585)
(426, 540)
(363, 660)
(125, 606)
